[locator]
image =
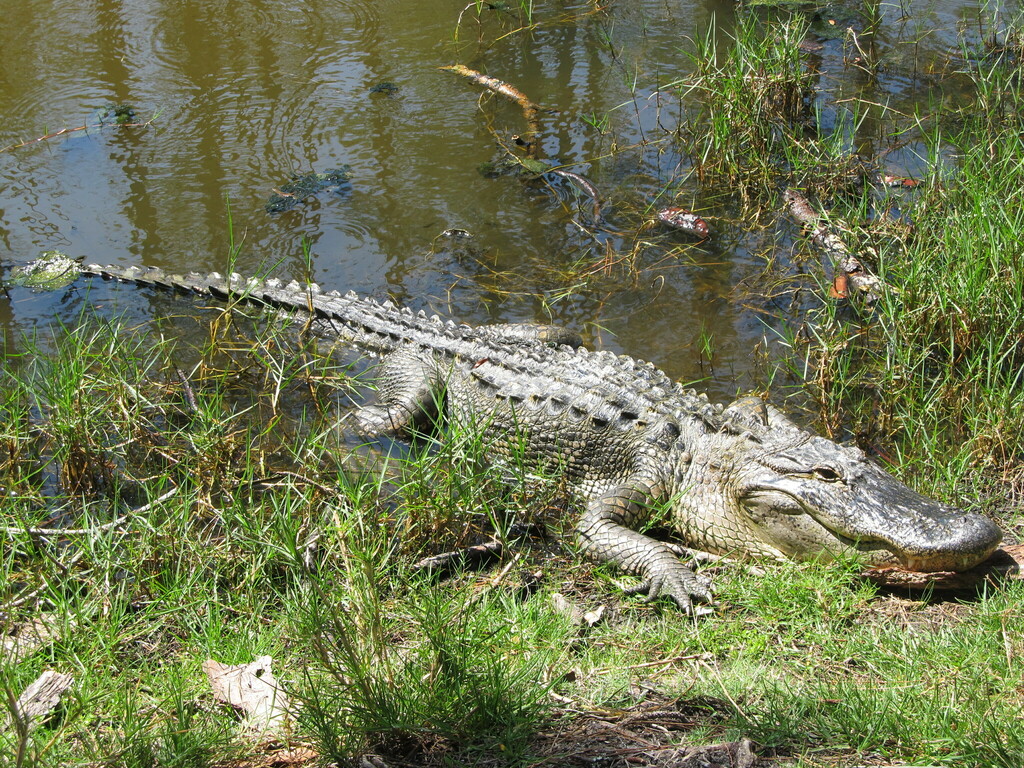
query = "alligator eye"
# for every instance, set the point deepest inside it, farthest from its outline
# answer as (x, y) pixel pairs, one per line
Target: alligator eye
(828, 474)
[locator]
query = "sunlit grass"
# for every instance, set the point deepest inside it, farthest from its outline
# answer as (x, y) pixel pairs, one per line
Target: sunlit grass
(265, 528)
(746, 103)
(939, 366)
(295, 550)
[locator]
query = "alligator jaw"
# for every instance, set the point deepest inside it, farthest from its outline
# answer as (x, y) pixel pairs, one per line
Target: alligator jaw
(965, 541)
(978, 541)
(920, 533)
(899, 527)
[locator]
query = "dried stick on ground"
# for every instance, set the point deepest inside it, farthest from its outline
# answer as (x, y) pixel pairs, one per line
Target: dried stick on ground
(851, 276)
(23, 639)
(531, 110)
(36, 701)
(14, 530)
(475, 557)
(253, 691)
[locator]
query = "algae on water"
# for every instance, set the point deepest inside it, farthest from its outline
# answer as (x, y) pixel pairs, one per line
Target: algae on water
(52, 270)
(302, 187)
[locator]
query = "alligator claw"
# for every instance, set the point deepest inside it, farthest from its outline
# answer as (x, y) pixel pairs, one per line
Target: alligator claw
(681, 587)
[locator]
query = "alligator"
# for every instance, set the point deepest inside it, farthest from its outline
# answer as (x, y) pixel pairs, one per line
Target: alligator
(635, 446)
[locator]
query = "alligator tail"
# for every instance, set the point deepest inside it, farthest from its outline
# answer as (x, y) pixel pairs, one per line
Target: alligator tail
(378, 327)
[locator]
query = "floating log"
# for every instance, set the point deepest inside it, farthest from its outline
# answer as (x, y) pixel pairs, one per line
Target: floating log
(531, 110)
(851, 276)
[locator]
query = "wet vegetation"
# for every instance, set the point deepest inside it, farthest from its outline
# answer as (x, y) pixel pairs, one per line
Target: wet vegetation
(752, 108)
(936, 369)
(190, 489)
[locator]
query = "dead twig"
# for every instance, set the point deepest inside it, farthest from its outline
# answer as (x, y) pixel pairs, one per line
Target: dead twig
(531, 110)
(24, 639)
(850, 273)
(586, 186)
(13, 530)
(700, 657)
(474, 557)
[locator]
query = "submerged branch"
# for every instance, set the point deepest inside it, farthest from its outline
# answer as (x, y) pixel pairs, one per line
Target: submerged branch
(585, 185)
(68, 131)
(531, 110)
(850, 271)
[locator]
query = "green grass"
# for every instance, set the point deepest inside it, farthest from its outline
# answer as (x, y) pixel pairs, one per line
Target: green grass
(271, 531)
(225, 569)
(746, 104)
(937, 371)
(298, 551)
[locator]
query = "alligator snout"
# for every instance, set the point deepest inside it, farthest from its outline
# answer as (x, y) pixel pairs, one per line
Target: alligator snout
(868, 511)
(962, 542)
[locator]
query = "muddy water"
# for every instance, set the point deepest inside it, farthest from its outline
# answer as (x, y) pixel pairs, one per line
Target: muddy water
(236, 98)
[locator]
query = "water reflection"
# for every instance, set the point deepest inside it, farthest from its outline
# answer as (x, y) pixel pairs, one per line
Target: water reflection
(247, 94)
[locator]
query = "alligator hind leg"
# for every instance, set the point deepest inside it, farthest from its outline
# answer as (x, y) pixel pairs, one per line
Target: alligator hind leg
(410, 393)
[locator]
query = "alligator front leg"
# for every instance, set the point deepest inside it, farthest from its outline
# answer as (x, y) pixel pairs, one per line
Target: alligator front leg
(606, 533)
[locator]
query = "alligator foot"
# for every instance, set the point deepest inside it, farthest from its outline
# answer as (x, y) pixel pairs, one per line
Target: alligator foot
(682, 586)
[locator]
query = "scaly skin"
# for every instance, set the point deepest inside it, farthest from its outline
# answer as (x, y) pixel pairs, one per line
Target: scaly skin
(739, 480)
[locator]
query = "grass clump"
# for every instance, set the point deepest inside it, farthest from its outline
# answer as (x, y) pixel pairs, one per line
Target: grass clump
(942, 359)
(439, 673)
(747, 106)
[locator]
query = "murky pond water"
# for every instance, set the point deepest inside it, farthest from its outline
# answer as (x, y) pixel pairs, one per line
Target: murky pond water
(234, 99)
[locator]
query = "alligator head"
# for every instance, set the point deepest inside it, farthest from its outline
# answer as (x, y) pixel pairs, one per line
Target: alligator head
(806, 497)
